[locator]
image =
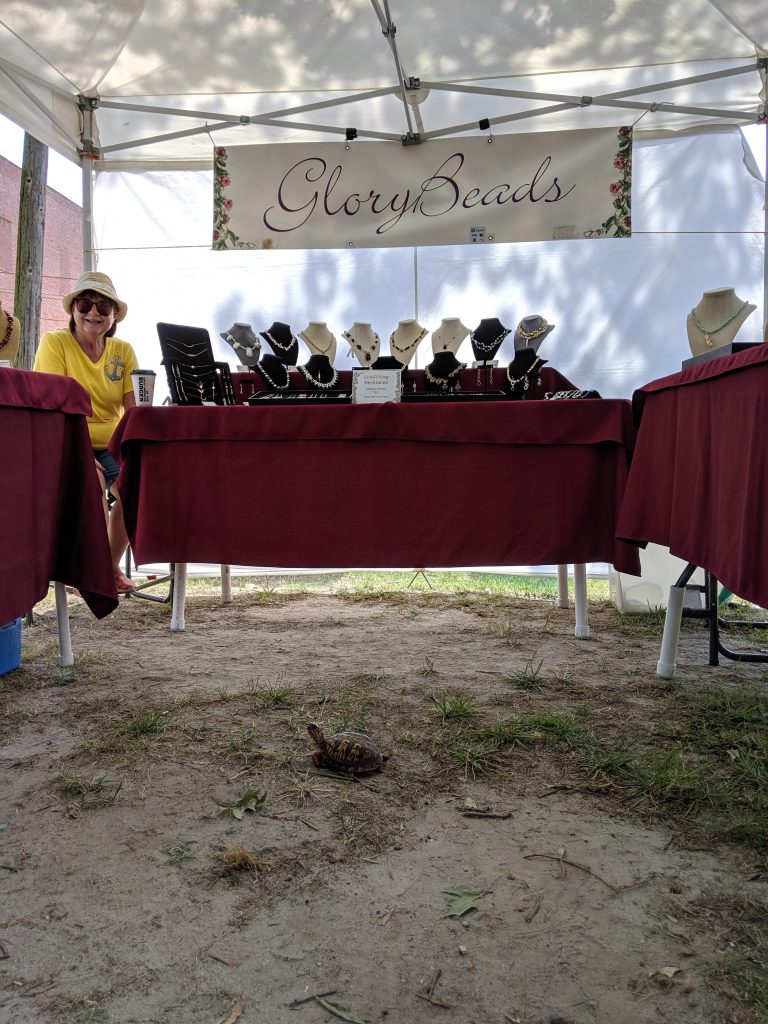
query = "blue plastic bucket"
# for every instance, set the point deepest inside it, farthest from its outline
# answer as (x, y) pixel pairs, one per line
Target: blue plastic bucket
(10, 646)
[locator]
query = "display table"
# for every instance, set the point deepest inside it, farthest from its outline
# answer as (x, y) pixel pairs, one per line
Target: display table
(700, 470)
(54, 526)
(377, 486)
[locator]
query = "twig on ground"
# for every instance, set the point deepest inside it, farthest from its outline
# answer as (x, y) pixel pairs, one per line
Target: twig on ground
(308, 999)
(532, 913)
(561, 860)
(487, 814)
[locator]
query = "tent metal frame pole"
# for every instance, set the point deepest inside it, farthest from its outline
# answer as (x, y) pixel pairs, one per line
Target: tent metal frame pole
(87, 156)
(208, 128)
(217, 115)
(30, 96)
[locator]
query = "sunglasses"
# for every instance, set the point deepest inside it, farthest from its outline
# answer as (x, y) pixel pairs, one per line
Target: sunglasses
(103, 306)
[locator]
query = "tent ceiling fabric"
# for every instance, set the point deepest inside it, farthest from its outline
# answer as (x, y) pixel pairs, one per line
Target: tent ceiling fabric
(239, 59)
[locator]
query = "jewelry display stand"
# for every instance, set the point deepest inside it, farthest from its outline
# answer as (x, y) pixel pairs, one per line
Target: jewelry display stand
(245, 343)
(715, 320)
(194, 377)
(283, 343)
(523, 374)
(531, 332)
(487, 338)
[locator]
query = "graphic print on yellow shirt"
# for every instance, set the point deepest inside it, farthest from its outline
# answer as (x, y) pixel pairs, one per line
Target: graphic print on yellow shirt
(106, 380)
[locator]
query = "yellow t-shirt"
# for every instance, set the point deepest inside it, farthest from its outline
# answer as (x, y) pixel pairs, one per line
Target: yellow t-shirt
(106, 381)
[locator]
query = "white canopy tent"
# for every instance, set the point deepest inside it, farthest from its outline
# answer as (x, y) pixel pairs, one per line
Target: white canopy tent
(138, 90)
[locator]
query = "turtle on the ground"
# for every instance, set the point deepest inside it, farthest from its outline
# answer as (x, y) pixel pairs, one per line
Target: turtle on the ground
(350, 752)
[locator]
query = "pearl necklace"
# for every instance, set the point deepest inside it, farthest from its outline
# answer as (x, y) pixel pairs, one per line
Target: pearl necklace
(318, 383)
(8, 330)
(273, 383)
(486, 346)
(444, 381)
(715, 330)
(535, 333)
(277, 344)
(514, 381)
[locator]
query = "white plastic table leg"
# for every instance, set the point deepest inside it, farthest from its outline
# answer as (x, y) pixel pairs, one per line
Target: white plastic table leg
(226, 584)
(66, 657)
(665, 667)
(179, 596)
(562, 586)
(580, 600)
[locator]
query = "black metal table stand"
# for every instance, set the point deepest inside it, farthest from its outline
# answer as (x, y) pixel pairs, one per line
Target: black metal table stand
(710, 612)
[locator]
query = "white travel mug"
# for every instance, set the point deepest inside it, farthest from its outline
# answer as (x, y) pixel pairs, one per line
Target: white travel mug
(143, 386)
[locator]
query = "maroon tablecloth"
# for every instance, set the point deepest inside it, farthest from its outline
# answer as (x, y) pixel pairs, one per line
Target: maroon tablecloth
(505, 483)
(699, 476)
(53, 524)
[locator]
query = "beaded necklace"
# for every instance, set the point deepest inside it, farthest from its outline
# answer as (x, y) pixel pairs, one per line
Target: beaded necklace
(489, 347)
(367, 352)
(514, 381)
(273, 383)
(278, 344)
(716, 330)
(247, 349)
(315, 346)
(444, 381)
(408, 347)
(318, 383)
(8, 330)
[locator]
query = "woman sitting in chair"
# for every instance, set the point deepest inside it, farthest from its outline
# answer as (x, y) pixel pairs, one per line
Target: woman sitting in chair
(88, 351)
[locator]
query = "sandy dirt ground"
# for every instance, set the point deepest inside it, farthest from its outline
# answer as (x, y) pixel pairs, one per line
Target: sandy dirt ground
(131, 891)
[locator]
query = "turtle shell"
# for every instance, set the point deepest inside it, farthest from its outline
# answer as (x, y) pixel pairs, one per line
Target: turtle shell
(352, 752)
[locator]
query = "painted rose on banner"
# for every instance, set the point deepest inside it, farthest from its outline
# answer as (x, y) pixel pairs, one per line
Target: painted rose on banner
(532, 187)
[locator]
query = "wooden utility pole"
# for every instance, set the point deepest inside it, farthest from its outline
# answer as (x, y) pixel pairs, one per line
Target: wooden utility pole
(29, 249)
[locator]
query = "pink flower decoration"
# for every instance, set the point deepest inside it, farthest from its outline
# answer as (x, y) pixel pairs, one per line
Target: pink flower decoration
(619, 163)
(223, 181)
(624, 132)
(615, 188)
(215, 236)
(627, 222)
(228, 203)
(221, 151)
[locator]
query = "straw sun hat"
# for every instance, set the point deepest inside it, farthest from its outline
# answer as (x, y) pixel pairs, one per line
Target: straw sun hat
(93, 281)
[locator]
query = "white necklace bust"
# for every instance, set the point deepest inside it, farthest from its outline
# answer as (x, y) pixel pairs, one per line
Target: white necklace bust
(405, 339)
(319, 339)
(449, 335)
(364, 342)
(715, 320)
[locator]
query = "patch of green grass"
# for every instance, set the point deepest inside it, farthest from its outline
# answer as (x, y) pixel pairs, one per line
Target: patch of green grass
(472, 758)
(428, 667)
(98, 791)
(530, 677)
(145, 723)
(453, 706)
(274, 695)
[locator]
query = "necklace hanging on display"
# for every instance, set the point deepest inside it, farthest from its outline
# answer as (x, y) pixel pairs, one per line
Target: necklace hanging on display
(524, 378)
(531, 335)
(708, 332)
(444, 382)
(323, 385)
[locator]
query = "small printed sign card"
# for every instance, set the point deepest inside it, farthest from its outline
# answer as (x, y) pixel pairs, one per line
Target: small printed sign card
(376, 385)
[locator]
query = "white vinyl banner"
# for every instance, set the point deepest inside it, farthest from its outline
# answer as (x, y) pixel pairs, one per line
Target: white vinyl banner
(518, 188)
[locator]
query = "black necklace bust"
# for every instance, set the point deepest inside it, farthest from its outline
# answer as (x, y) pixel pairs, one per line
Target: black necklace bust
(487, 338)
(282, 341)
(522, 379)
(274, 373)
(319, 373)
(443, 373)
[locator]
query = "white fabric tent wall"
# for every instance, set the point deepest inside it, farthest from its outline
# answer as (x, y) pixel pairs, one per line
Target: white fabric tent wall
(619, 305)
